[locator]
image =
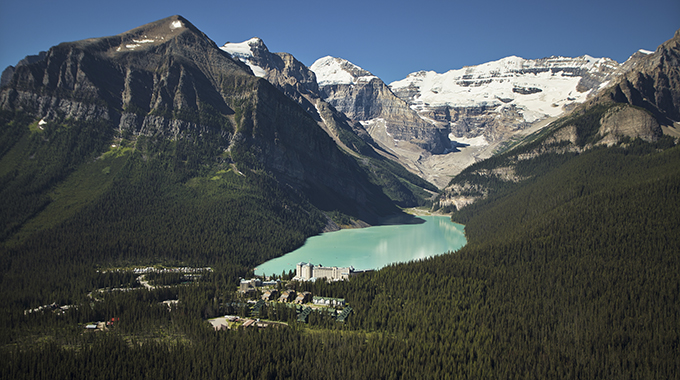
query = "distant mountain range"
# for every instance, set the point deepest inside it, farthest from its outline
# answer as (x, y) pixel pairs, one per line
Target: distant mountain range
(438, 124)
(339, 135)
(640, 101)
(164, 127)
(159, 147)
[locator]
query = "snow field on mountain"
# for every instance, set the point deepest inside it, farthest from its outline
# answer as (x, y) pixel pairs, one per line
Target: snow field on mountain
(330, 71)
(243, 51)
(501, 82)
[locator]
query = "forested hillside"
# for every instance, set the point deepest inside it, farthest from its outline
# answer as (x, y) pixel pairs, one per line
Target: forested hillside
(166, 151)
(572, 267)
(573, 274)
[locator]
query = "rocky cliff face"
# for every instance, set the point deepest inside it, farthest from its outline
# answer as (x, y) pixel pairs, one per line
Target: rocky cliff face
(640, 102)
(168, 81)
(389, 121)
(440, 123)
(652, 82)
(7, 74)
(299, 83)
(364, 97)
(140, 80)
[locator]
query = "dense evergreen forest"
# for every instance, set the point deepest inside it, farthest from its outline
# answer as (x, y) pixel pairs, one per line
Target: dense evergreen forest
(574, 273)
(138, 186)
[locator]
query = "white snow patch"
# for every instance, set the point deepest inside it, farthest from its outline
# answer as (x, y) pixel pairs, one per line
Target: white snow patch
(244, 52)
(604, 84)
(257, 70)
(144, 41)
(370, 122)
(365, 78)
(643, 51)
(176, 24)
(329, 71)
(241, 49)
(318, 111)
(480, 85)
(474, 141)
(132, 46)
(333, 71)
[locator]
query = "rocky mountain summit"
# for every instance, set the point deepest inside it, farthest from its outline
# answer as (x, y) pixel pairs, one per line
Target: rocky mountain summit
(638, 102)
(652, 81)
(132, 79)
(390, 121)
(167, 82)
(167, 90)
(460, 116)
(299, 83)
(530, 90)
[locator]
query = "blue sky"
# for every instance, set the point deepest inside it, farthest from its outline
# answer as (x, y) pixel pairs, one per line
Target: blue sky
(389, 38)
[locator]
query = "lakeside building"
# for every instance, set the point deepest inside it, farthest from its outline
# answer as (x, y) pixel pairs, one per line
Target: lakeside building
(309, 271)
(287, 296)
(270, 295)
(250, 286)
(328, 301)
(303, 298)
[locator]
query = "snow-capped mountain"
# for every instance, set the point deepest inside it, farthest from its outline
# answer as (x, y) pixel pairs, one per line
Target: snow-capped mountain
(245, 51)
(331, 71)
(282, 70)
(366, 98)
(537, 88)
(460, 116)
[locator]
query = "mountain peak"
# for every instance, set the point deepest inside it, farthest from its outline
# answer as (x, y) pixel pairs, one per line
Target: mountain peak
(331, 70)
(246, 49)
(147, 36)
(249, 52)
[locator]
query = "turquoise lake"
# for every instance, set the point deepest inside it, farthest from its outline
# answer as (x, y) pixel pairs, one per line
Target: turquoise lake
(373, 247)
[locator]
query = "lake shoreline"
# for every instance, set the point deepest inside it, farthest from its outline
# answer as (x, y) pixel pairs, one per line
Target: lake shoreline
(418, 211)
(374, 247)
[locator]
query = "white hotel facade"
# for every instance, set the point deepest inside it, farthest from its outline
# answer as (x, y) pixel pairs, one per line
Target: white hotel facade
(308, 271)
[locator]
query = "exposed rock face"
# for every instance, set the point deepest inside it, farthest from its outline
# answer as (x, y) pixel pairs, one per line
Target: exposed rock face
(299, 83)
(168, 80)
(9, 71)
(628, 121)
(521, 91)
(140, 80)
(389, 120)
(437, 124)
(653, 82)
(635, 105)
(364, 97)
(282, 70)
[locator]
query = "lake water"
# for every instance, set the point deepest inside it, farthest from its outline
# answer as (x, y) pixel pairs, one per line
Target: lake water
(373, 247)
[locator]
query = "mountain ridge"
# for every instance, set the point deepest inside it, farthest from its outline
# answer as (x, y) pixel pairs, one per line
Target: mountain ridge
(477, 110)
(299, 83)
(638, 105)
(162, 109)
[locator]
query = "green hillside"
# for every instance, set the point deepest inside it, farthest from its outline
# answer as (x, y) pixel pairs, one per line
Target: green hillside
(574, 274)
(572, 267)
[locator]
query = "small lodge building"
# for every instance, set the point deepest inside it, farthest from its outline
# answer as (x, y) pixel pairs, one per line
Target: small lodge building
(249, 286)
(303, 298)
(270, 295)
(287, 296)
(327, 301)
